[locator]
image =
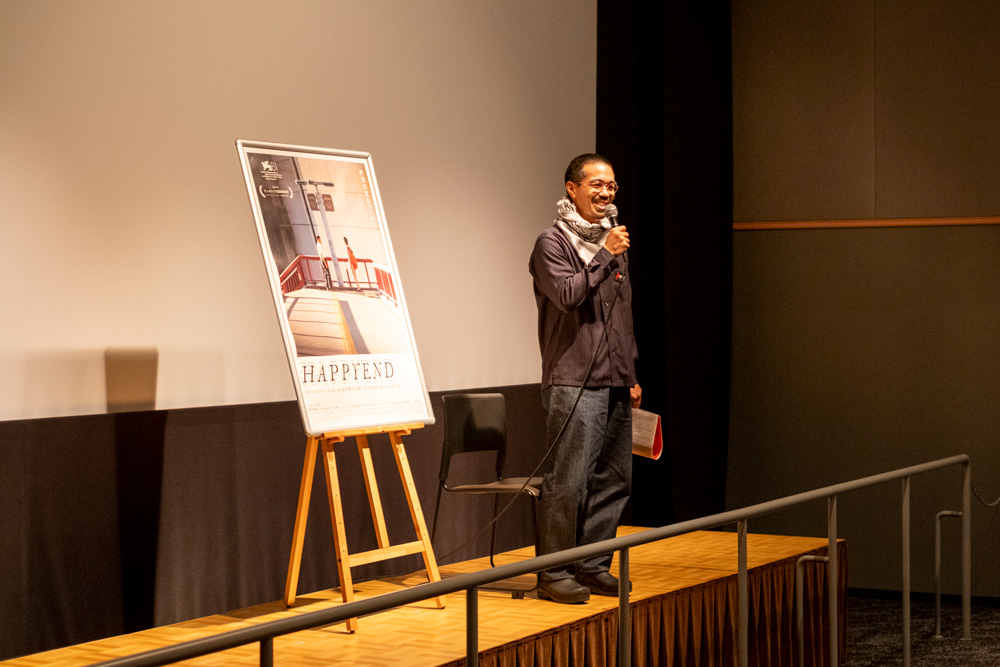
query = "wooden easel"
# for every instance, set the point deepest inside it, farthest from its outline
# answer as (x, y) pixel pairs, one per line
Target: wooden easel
(385, 551)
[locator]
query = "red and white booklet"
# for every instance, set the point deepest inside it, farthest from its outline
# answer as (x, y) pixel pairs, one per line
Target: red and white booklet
(647, 436)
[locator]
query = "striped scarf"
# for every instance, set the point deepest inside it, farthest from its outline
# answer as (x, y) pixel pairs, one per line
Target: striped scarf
(587, 238)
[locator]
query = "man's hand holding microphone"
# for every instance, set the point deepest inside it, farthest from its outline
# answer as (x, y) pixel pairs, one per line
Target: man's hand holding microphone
(617, 241)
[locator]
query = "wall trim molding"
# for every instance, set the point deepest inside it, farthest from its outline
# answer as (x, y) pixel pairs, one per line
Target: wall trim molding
(874, 223)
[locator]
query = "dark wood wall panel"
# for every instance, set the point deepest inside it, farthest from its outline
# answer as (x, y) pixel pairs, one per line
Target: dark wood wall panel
(803, 110)
(937, 105)
(862, 350)
(874, 109)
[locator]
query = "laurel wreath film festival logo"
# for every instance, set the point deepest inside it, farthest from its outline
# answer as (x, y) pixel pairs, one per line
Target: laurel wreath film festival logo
(270, 174)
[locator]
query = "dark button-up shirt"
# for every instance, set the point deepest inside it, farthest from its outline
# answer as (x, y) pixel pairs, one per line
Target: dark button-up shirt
(574, 302)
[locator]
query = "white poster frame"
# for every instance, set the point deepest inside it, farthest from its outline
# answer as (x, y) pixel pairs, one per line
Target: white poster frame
(346, 391)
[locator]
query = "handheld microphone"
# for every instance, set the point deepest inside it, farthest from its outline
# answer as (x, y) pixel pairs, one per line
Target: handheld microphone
(611, 213)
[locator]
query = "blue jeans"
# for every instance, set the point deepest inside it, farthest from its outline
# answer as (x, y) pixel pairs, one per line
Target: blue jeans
(585, 493)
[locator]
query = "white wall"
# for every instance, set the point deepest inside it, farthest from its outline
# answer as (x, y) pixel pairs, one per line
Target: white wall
(124, 221)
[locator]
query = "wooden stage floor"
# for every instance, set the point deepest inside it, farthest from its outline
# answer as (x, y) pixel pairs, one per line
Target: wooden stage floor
(683, 602)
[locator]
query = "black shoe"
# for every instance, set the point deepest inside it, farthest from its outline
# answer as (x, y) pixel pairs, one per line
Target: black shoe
(565, 591)
(601, 583)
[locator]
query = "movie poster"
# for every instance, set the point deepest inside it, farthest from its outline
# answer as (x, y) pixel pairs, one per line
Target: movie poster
(336, 287)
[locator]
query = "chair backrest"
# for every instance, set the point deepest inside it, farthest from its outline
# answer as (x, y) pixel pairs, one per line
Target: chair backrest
(474, 423)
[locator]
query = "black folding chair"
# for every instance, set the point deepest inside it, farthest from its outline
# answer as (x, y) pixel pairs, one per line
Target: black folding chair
(478, 423)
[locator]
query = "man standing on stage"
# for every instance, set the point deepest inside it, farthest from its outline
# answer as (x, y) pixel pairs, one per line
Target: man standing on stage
(584, 298)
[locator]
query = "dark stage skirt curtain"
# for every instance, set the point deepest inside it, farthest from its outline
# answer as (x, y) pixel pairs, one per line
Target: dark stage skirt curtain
(697, 626)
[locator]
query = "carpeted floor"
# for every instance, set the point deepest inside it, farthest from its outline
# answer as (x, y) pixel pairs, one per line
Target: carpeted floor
(875, 634)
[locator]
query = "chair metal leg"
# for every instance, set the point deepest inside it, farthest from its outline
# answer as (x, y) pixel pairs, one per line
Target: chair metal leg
(515, 593)
(437, 510)
(534, 523)
(493, 534)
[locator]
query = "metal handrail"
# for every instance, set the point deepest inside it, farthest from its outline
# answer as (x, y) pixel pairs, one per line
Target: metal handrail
(265, 632)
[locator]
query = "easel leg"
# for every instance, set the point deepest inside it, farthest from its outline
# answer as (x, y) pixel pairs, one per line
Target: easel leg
(415, 512)
(339, 533)
(301, 515)
(371, 486)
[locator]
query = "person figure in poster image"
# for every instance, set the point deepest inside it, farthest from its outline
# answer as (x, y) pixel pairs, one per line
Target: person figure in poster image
(353, 261)
(324, 263)
(584, 299)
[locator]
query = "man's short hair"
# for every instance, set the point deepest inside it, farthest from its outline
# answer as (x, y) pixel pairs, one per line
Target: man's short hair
(574, 172)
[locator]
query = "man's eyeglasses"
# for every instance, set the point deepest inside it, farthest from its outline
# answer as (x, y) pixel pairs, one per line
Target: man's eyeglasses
(597, 186)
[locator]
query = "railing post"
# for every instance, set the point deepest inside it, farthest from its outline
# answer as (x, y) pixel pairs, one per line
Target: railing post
(967, 550)
(800, 603)
(624, 614)
(267, 652)
(906, 572)
(742, 591)
(937, 569)
(472, 627)
(832, 574)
